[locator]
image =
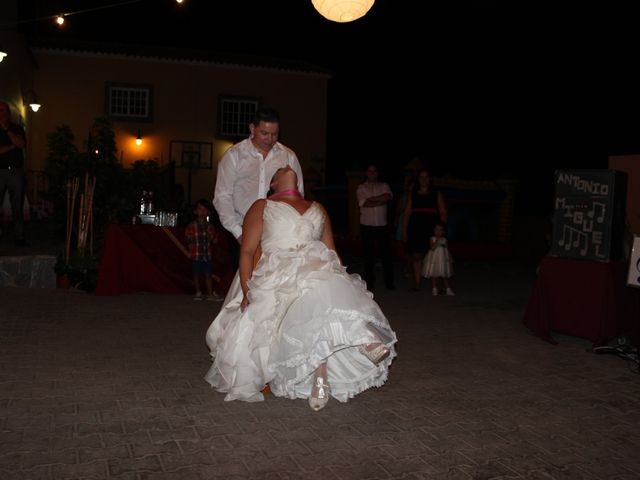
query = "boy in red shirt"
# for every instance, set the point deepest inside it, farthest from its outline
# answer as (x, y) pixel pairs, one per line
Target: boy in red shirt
(200, 234)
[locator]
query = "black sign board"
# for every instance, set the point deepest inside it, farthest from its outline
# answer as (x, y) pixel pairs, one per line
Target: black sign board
(588, 218)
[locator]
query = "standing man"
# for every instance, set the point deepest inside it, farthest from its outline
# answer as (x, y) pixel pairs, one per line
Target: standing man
(245, 171)
(373, 197)
(12, 169)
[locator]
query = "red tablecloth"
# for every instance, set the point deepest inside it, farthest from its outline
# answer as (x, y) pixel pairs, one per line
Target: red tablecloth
(584, 299)
(144, 258)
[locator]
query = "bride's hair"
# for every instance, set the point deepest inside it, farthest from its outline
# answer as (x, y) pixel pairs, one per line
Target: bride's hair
(271, 191)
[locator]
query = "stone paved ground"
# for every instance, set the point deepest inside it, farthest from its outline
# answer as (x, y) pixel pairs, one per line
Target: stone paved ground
(111, 388)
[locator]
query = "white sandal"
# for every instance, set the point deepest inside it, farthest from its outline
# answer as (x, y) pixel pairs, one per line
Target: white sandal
(319, 401)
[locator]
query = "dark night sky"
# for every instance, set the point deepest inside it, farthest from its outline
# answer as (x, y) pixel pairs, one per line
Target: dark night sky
(474, 90)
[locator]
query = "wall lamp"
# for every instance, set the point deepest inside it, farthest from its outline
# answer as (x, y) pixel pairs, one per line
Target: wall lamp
(34, 103)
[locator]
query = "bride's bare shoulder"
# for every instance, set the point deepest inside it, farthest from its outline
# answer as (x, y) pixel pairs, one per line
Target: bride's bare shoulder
(258, 205)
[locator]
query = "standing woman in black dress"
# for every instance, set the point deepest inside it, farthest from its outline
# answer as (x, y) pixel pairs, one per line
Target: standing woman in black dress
(424, 210)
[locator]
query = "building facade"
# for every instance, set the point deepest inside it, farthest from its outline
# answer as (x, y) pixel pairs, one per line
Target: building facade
(166, 105)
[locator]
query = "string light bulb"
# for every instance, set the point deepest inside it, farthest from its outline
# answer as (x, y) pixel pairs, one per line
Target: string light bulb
(2, 54)
(35, 106)
(179, 1)
(60, 19)
(139, 139)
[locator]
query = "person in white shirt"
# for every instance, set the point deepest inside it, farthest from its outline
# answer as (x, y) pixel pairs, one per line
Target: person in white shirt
(373, 197)
(245, 171)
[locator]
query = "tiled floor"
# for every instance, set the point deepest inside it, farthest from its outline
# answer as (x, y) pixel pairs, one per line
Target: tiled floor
(111, 388)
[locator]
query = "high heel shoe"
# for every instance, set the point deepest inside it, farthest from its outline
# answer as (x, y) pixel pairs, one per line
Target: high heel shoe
(376, 354)
(320, 399)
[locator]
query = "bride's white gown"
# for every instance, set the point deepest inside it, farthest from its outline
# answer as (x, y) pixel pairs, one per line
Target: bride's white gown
(304, 310)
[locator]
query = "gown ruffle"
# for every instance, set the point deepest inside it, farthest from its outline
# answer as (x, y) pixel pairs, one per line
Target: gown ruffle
(304, 310)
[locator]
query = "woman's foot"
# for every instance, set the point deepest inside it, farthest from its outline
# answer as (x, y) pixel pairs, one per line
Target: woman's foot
(319, 393)
(375, 352)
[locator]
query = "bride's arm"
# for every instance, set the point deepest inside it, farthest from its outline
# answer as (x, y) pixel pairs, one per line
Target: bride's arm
(251, 234)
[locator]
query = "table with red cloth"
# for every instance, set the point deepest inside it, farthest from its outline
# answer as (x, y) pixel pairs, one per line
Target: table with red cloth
(585, 299)
(147, 258)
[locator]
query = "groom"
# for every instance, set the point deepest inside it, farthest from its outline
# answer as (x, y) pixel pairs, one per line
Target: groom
(245, 171)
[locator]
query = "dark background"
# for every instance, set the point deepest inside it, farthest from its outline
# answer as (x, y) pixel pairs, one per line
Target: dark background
(475, 90)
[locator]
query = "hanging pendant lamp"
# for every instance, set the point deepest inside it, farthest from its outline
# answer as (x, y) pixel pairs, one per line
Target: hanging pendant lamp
(342, 10)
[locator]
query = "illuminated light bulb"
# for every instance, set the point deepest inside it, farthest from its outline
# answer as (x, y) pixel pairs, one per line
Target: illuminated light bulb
(179, 1)
(35, 106)
(342, 10)
(139, 139)
(2, 54)
(96, 151)
(60, 20)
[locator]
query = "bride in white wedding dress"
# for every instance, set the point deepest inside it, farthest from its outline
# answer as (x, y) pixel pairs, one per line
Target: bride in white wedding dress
(297, 321)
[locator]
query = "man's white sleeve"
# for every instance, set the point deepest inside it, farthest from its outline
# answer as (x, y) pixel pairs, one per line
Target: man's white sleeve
(293, 163)
(361, 196)
(223, 197)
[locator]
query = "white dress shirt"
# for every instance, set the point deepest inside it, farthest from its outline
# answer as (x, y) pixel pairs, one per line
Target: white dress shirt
(244, 177)
(372, 216)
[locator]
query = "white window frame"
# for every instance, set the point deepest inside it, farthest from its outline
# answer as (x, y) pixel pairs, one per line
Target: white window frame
(129, 110)
(235, 114)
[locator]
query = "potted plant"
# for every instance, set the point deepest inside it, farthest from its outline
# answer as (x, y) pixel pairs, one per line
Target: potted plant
(62, 270)
(80, 272)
